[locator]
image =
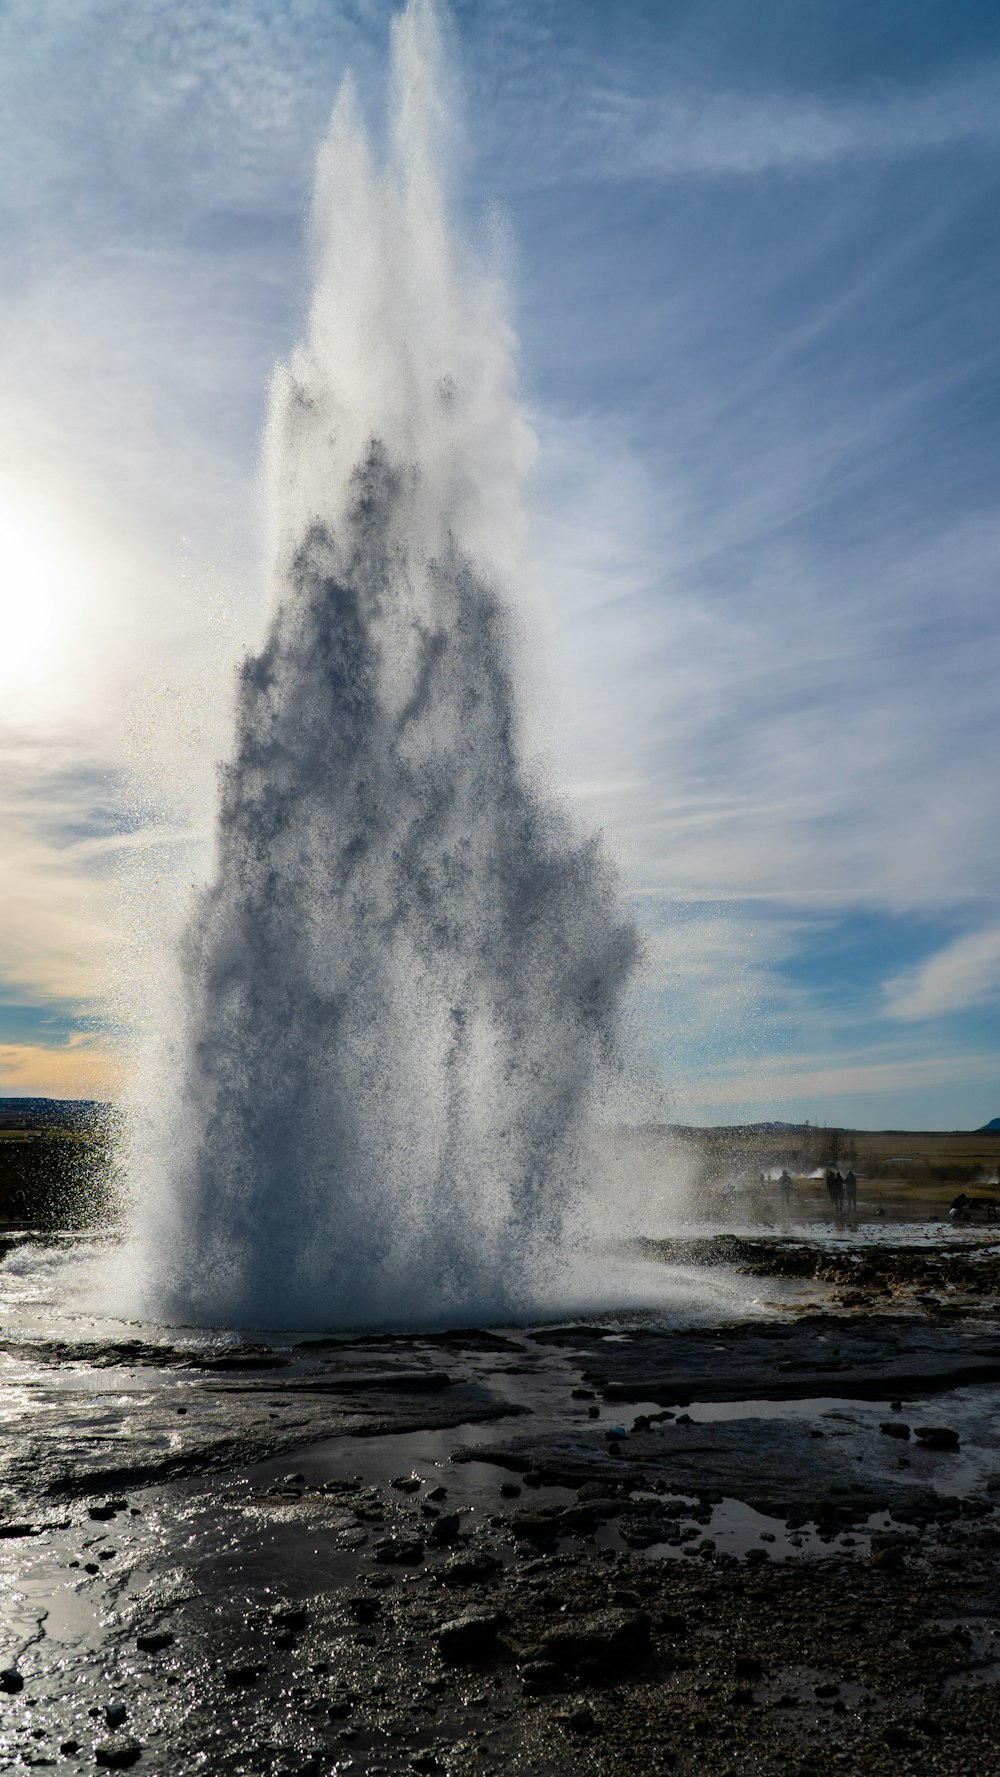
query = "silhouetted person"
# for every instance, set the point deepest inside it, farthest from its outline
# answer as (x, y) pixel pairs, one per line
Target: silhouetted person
(831, 1187)
(785, 1187)
(838, 1192)
(851, 1188)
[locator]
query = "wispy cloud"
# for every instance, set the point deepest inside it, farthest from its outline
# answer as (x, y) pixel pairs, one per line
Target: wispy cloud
(964, 974)
(715, 133)
(772, 1083)
(81, 1067)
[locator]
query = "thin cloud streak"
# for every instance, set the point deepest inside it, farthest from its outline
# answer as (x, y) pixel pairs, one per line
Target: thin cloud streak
(964, 974)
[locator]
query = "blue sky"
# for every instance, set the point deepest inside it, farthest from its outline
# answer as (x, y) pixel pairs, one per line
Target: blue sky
(754, 252)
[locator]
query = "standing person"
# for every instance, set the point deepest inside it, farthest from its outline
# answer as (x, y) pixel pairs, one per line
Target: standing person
(838, 1192)
(785, 1187)
(831, 1187)
(851, 1187)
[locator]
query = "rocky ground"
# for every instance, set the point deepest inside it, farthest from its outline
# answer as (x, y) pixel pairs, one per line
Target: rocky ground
(765, 1546)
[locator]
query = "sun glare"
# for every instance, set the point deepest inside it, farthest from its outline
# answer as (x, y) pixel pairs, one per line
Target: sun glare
(42, 598)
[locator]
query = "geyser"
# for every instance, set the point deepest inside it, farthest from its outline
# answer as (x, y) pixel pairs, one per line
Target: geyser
(406, 972)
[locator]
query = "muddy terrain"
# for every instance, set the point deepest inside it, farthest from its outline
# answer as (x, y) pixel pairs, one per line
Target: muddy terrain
(765, 1545)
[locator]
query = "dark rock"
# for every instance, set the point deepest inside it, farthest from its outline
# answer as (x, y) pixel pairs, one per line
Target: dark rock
(445, 1529)
(237, 1677)
(363, 1609)
(340, 1705)
(436, 1493)
(102, 1512)
(154, 1641)
(612, 1638)
(539, 1676)
(470, 1637)
(579, 1520)
(397, 1551)
(887, 1560)
(17, 1530)
(510, 1490)
(469, 1570)
(11, 1681)
(536, 1526)
(290, 1617)
(406, 1483)
(115, 1714)
(579, 1719)
(118, 1754)
(894, 1428)
(937, 1437)
(747, 1666)
(68, 1748)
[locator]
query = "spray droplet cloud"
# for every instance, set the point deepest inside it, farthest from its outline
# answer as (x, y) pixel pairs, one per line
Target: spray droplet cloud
(405, 977)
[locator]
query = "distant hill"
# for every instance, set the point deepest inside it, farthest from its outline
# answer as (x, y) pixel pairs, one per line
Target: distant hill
(990, 1128)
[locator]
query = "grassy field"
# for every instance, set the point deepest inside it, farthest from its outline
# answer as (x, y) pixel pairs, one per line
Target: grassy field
(56, 1163)
(54, 1171)
(723, 1173)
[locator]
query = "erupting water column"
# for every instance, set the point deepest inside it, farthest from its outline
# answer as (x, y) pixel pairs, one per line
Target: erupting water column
(406, 969)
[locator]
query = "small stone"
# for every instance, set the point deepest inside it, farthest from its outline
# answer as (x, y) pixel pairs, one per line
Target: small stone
(579, 1719)
(613, 1639)
(510, 1490)
(445, 1529)
(154, 1641)
(396, 1551)
(290, 1617)
(469, 1570)
(894, 1428)
(436, 1493)
(538, 1676)
(364, 1609)
(469, 1637)
(11, 1681)
(68, 1748)
(239, 1676)
(115, 1714)
(938, 1437)
(118, 1754)
(747, 1666)
(406, 1483)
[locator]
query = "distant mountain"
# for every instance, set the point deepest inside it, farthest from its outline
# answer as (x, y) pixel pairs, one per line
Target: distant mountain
(990, 1128)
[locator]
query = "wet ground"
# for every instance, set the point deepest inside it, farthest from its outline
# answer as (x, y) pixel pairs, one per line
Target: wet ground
(757, 1543)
